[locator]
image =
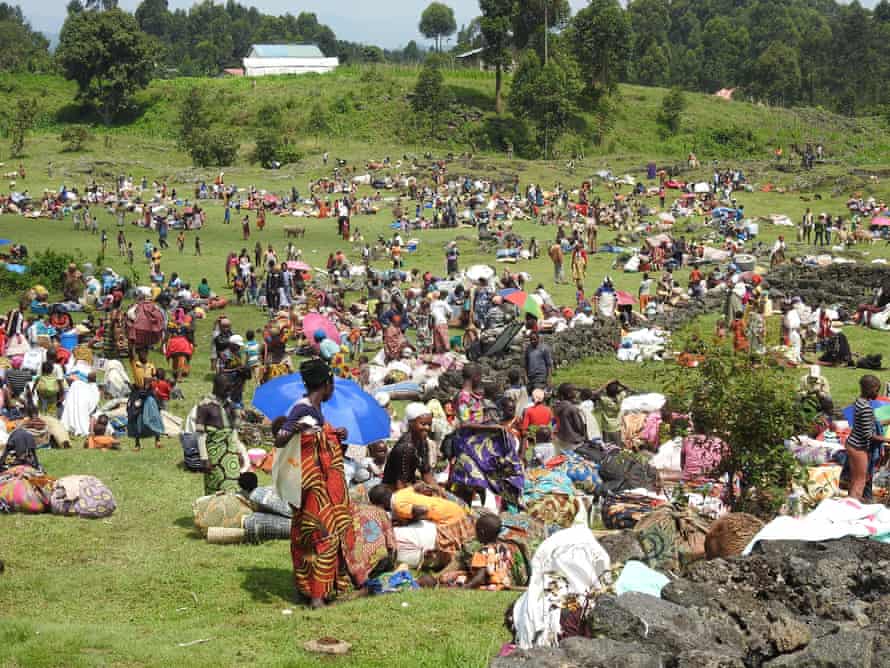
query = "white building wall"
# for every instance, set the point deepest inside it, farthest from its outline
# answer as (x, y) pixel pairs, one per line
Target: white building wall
(257, 67)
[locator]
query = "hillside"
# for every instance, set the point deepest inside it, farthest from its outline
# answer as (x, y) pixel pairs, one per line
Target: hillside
(368, 104)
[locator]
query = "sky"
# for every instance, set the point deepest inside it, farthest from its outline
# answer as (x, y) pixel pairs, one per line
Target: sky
(386, 23)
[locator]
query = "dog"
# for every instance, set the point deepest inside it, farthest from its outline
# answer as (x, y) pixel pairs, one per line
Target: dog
(294, 232)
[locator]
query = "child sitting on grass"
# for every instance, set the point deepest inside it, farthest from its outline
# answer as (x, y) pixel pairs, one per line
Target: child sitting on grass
(101, 436)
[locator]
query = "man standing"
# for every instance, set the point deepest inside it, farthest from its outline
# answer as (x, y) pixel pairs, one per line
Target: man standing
(820, 230)
(807, 225)
(557, 257)
(538, 363)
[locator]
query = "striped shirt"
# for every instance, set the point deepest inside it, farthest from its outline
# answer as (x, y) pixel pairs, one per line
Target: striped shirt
(864, 426)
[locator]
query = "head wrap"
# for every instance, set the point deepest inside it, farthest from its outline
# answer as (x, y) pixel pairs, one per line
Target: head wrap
(316, 373)
(319, 335)
(416, 410)
(538, 396)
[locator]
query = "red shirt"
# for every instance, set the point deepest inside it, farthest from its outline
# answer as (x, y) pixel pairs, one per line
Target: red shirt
(538, 415)
(162, 389)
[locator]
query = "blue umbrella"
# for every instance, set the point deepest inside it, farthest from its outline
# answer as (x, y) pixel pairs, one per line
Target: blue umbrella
(5, 242)
(850, 411)
(507, 292)
(350, 407)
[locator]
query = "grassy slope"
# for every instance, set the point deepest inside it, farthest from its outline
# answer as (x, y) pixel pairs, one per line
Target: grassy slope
(137, 571)
(368, 104)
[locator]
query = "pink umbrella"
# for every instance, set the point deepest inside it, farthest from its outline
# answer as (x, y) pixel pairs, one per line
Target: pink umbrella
(881, 221)
(270, 198)
(624, 298)
(312, 322)
(294, 265)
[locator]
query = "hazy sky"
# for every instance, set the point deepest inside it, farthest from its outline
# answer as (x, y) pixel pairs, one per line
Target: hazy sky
(388, 23)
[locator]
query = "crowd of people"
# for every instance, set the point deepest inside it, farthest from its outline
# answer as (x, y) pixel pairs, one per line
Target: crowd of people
(470, 480)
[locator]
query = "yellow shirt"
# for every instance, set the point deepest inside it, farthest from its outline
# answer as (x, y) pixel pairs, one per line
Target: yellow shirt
(439, 510)
(141, 372)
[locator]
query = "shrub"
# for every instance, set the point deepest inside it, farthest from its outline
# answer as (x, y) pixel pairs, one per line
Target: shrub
(74, 137)
(751, 407)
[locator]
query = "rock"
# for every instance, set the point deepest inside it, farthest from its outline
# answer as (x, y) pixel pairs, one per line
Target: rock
(622, 546)
(787, 634)
(605, 653)
(707, 659)
(535, 658)
(845, 649)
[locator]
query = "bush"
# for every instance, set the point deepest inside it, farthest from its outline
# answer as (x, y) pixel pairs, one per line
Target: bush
(73, 138)
(272, 147)
(672, 106)
(752, 408)
(45, 268)
(214, 147)
(497, 133)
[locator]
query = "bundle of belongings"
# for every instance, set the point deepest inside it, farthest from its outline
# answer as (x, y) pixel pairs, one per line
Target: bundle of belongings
(252, 516)
(25, 489)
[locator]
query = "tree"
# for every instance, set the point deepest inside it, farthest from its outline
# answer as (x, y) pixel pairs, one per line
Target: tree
(436, 22)
(529, 17)
(775, 75)
(672, 106)
(547, 95)
(752, 409)
(22, 49)
(430, 98)
(317, 123)
(22, 121)
(73, 138)
(600, 34)
(411, 53)
(108, 56)
(495, 24)
(154, 17)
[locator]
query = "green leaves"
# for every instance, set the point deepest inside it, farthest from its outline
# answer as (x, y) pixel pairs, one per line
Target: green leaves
(436, 22)
(750, 405)
(108, 56)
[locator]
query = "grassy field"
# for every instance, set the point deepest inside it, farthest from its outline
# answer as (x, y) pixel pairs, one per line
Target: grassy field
(127, 591)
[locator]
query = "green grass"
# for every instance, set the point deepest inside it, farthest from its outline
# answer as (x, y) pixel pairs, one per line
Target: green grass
(127, 590)
(369, 104)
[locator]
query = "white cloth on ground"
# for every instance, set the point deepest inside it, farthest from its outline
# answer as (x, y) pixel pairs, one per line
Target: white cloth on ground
(832, 519)
(570, 562)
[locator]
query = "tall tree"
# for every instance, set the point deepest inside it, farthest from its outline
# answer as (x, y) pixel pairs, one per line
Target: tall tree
(21, 48)
(529, 18)
(495, 24)
(546, 94)
(600, 35)
(436, 22)
(154, 17)
(108, 56)
(431, 98)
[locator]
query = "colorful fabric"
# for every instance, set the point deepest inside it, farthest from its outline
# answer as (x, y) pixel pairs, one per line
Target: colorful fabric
(672, 538)
(83, 496)
(323, 525)
(373, 542)
(554, 510)
(542, 482)
(220, 510)
(24, 490)
(275, 369)
(450, 539)
(583, 473)
(624, 511)
(224, 459)
(488, 459)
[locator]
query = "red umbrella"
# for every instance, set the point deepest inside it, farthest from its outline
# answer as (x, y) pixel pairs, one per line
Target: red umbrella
(270, 198)
(524, 302)
(624, 298)
(312, 322)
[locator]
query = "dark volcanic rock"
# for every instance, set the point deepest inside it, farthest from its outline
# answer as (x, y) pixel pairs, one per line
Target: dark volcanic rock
(846, 284)
(788, 605)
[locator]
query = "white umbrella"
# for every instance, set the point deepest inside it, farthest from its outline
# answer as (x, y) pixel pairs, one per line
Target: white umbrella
(480, 271)
(666, 218)
(702, 187)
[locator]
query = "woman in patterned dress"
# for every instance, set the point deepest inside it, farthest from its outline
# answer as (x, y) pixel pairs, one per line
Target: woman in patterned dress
(222, 455)
(334, 545)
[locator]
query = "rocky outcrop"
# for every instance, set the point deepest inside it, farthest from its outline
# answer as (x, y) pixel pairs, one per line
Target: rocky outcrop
(789, 605)
(846, 284)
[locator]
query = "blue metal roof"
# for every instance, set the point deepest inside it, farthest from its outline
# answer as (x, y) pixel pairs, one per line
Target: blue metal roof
(285, 51)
